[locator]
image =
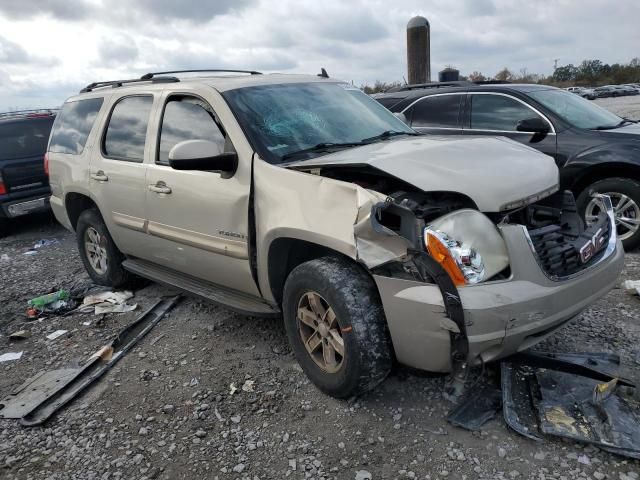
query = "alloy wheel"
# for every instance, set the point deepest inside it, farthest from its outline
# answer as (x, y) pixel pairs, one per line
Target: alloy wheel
(626, 212)
(94, 246)
(320, 332)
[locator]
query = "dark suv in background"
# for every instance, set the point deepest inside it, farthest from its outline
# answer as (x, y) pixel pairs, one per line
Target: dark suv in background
(594, 149)
(24, 186)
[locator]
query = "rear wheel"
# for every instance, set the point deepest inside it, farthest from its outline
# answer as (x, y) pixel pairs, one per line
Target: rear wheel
(625, 198)
(336, 326)
(100, 256)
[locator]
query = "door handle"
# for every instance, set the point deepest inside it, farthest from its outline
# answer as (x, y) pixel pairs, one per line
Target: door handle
(160, 187)
(100, 176)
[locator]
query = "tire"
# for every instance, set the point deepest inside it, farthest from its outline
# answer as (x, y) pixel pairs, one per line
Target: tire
(91, 228)
(617, 187)
(351, 294)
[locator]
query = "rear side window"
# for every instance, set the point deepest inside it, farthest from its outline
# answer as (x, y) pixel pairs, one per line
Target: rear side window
(24, 138)
(436, 111)
(127, 130)
(73, 125)
(187, 118)
(496, 112)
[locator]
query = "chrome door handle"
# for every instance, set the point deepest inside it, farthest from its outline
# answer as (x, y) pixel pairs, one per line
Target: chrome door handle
(160, 187)
(100, 176)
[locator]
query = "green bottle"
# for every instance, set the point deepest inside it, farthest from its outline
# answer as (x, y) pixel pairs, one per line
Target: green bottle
(44, 300)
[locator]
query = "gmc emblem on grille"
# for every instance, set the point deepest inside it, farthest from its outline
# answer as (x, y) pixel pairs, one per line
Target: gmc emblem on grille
(593, 246)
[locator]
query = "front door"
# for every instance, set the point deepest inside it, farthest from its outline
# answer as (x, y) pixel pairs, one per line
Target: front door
(117, 171)
(498, 114)
(198, 220)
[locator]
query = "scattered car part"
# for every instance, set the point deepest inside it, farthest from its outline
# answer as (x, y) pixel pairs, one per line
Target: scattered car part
(481, 404)
(44, 394)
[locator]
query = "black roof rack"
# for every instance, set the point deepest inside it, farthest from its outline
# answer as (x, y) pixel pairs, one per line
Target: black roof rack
(418, 86)
(119, 83)
(491, 82)
(149, 76)
(34, 113)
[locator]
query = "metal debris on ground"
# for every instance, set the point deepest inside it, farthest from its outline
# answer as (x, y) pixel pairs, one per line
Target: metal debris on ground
(44, 394)
(20, 335)
(108, 302)
(45, 243)
(7, 357)
(480, 404)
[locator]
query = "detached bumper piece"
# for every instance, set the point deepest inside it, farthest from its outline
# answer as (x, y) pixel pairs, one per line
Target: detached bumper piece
(576, 396)
(43, 395)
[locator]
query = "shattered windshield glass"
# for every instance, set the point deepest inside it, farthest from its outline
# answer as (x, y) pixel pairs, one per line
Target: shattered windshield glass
(303, 120)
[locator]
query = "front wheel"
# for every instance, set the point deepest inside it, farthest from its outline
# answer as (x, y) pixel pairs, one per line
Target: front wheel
(336, 326)
(625, 199)
(99, 254)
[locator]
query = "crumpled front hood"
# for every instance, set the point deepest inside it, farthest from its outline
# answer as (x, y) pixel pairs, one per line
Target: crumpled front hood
(492, 171)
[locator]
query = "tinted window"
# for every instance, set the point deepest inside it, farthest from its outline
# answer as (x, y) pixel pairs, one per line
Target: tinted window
(495, 112)
(24, 138)
(187, 118)
(438, 111)
(127, 129)
(73, 125)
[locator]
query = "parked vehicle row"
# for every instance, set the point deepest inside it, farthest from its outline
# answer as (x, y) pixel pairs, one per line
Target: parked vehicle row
(24, 187)
(303, 197)
(594, 149)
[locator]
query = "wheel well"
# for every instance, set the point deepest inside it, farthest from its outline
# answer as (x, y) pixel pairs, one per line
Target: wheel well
(606, 170)
(285, 254)
(75, 204)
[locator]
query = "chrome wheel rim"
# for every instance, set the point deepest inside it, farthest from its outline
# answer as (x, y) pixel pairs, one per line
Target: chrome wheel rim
(320, 333)
(626, 212)
(94, 246)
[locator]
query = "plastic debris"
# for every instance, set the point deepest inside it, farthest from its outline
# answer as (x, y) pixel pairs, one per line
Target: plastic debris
(32, 313)
(20, 335)
(30, 252)
(248, 386)
(45, 243)
(232, 389)
(632, 286)
(56, 334)
(45, 301)
(108, 302)
(7, 357)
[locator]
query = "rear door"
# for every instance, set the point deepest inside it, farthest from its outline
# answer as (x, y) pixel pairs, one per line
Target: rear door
(198, 220)
(497, 114)
(118, 172)
(439, 114)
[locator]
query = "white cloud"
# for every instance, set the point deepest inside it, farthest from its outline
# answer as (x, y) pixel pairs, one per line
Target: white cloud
(51, 48)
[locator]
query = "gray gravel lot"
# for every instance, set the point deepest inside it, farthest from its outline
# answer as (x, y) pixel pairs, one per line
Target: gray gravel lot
(628, 107)
(166, 410)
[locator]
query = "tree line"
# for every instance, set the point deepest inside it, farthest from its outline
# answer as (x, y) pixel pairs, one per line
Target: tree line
(589, 73)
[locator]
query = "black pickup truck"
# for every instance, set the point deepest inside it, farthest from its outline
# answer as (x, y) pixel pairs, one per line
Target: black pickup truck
(24, 186)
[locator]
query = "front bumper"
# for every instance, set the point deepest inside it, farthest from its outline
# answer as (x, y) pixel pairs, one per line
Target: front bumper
(501, 317)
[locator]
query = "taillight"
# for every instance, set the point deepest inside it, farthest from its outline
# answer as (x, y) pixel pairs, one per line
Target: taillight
(46, 164)
(3, 189)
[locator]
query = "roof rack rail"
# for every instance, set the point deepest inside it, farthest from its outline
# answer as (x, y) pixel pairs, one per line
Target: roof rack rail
(150, 75)
(417, 86)
(38, 112)
(119, 83)
(491, 82)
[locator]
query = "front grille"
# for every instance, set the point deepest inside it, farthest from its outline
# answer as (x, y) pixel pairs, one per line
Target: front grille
(561, 253)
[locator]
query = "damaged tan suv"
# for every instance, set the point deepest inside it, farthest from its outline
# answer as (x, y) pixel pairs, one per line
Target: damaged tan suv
(301, 196)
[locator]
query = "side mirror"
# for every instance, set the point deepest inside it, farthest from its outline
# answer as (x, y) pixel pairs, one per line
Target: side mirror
(533, 125)
(402, 117)
(202, 155)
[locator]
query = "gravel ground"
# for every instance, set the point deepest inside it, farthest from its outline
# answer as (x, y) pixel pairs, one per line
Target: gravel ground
(628, 107)
(167, 411)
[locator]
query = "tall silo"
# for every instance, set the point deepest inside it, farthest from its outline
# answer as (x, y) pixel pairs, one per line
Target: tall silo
(418, 53)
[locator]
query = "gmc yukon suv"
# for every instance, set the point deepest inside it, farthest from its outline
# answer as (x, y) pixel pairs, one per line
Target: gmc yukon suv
(301, 196)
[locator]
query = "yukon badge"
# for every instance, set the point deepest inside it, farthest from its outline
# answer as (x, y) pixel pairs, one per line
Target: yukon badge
(593, 246)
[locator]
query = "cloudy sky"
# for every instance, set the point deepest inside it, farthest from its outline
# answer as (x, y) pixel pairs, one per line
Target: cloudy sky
(51, 48)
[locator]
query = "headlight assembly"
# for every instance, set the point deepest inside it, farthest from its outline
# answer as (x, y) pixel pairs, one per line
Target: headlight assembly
(467, 245)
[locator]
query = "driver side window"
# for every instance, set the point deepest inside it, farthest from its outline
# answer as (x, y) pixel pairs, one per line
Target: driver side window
(497, 112)
(188, 118)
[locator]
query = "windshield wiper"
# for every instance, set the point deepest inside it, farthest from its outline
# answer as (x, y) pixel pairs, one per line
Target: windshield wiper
(622, 122)
(319, 148)
(387, 134)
